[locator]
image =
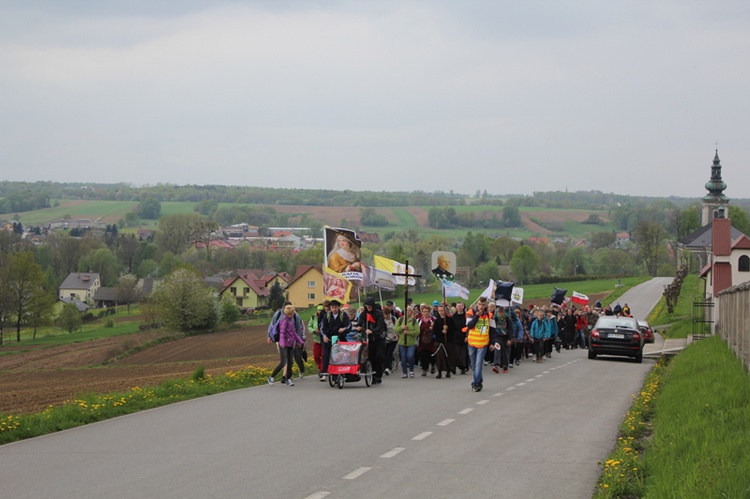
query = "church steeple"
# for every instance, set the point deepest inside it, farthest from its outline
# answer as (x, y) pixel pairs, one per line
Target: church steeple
(714, 203)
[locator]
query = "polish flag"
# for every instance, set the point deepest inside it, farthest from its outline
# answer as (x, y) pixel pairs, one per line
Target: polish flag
(580, 298)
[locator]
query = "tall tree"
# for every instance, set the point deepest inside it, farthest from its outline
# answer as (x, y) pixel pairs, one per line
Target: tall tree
(126, 290)
(739, 219)
(25, 282)
(185, 303)
(525, 264)
(649, 237)
(70, 318)
(149, 208)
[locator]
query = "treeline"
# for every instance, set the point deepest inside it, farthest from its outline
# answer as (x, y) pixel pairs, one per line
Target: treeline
(449, 218)
(17, 197)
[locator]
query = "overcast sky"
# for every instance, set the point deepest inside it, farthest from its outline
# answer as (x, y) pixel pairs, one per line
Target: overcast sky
(510, 97)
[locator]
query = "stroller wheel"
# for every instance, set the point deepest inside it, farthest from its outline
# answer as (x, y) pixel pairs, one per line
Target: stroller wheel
(331, 380)
(368, 373)
(341, 381)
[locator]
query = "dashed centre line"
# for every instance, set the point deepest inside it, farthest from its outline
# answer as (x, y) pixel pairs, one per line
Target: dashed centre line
(393, 452)
(466, 411)
(482, 402)
(318, 495)
(422, 435)
(356, 473)
(445, 422)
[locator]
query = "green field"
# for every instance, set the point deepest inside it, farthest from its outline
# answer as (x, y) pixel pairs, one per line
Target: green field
(401, 220)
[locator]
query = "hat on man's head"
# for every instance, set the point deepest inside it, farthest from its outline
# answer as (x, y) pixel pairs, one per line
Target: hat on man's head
(335, 303)
(370, 301)
(435, 303)
(320, 307)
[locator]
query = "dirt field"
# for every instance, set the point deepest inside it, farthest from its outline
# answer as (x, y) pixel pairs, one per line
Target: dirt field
(33, 379)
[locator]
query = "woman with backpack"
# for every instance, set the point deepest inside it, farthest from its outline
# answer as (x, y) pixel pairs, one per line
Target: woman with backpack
(290, 331)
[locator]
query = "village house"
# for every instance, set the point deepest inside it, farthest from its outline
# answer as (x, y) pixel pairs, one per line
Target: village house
(306, 289)
(80, 285)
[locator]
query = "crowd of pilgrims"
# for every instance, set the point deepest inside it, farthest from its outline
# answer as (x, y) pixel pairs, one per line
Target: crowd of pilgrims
(440, 340)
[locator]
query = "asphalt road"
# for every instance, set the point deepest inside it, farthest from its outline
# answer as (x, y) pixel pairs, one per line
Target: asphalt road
(537, 431)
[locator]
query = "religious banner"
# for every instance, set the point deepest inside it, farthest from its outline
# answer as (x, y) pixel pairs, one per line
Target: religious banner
(516, 295)
(335, 286)
(395, 267)
(444, 265)
(343, 253)
(381, 279)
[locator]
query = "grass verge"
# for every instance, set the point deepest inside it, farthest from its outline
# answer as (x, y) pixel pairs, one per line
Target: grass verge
(688, 431)
(89, 408)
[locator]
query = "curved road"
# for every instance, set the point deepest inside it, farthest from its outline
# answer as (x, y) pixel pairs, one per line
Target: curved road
(537, 431)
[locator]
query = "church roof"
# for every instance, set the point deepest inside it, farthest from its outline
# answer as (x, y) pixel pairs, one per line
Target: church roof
(701, 238)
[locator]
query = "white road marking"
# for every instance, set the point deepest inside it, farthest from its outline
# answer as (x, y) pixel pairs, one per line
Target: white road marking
(539, 375)
(445, 422)
(466, 411)
(498, 394)
(318, 495)
(482, 402)
(520, 384)
(356, 473)
(422, 436)
(546, 372)
(530, 380)
(393, 452)
(510, 388)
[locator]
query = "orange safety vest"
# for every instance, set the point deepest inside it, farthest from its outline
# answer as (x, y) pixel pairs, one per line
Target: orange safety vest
(479, 335)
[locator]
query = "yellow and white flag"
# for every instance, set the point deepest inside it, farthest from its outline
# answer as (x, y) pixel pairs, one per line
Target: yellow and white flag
(393, 266)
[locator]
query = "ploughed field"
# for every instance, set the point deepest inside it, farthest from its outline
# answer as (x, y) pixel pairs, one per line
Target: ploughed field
(36, 377)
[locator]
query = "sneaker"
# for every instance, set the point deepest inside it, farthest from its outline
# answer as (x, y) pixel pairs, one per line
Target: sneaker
(404, 375)
(424, 373)
(302, 375)
(387, 372)
(495, 369)
(289, 382)
(432, 370)
(474, 388)
(439, 376)
(448, 374)
(505, 370)
(270, 380)
(478, 388)
(411, 374)
(510, 365)
(518, 362)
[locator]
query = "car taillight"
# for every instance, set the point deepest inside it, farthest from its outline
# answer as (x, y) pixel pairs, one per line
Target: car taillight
(595, 333)
(636, 336)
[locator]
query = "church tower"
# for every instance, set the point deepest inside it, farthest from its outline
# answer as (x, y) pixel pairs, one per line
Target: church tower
(715, 202)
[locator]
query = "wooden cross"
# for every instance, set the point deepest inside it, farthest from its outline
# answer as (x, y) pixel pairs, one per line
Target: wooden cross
(406, 275)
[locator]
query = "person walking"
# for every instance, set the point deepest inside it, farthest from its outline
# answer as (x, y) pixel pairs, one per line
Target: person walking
(334, 325)
(457, 349)
(371, 323)
(289, 338)
(313, 325)
(408, 330)
(427, 344)
(391, 338)
(539, 332)
(478, 340)
(443, 330)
